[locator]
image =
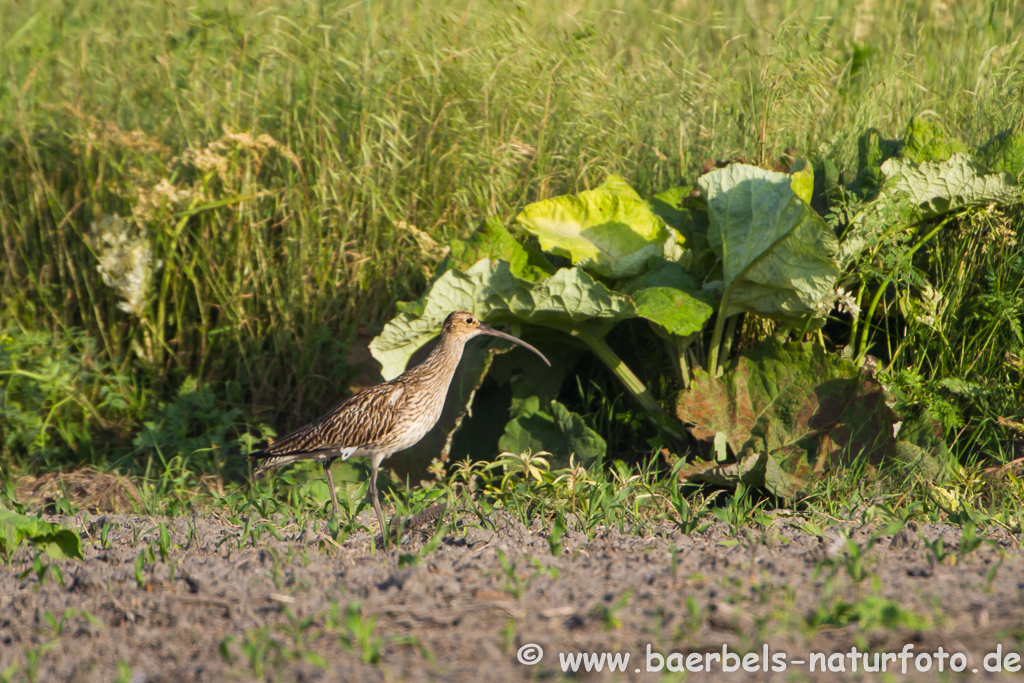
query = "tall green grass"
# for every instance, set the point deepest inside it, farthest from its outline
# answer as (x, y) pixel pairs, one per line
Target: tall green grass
(387, 129)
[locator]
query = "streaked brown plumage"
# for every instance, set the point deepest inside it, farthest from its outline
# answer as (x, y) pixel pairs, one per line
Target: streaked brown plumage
(386, 418)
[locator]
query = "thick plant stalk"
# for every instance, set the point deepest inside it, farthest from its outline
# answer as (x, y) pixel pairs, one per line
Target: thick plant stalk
(730, 332)
(677, 348)
(684, 370)
(636, 388)
(716, 341)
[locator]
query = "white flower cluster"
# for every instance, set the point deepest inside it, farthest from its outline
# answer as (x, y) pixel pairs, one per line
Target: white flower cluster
(163, 194)
(845, 301)
(125, 261)
(930, 307)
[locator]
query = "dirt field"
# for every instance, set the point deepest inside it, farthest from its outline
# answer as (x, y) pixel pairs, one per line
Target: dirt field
(304, 608)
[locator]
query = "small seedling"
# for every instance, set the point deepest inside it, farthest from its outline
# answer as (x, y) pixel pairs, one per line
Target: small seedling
(853, 561)
(40, 570)
(993, 570)
(417, 644)
(969, 541)
(359, 628)
(298, 628)
(57, 624)
(164, 542)
(144, 556)
(225, 649)
(938, 553)
(513, 582)
(508, 636)
(555, 537)
(65, 507)
(694, 615)
(686, 520)
(256, 646)
(609, 615)
(32, 663)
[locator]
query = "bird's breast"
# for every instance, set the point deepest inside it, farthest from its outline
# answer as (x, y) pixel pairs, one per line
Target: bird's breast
(418, 418)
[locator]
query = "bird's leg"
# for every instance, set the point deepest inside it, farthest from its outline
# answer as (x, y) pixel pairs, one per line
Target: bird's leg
(374, 466)
(330, 486)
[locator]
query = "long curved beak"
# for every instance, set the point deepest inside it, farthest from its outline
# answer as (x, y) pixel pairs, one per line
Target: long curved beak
(494, 333)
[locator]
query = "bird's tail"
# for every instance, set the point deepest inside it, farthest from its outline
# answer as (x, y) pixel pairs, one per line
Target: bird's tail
(265, 462)
(268, 460)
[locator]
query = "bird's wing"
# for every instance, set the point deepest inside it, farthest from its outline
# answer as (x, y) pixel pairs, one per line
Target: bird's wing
(360, 420)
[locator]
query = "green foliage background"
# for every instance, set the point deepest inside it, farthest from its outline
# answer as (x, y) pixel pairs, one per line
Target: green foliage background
(394, 127)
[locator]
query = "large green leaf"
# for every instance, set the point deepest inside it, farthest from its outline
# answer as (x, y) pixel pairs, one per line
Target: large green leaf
(667, 295)
(668, 205)
(492, 241)
(676, 311)
(941, 186)
(610, 230)
(778, 254)
(1004, 153)
(924, 140)
(801, 180)
(558, 431)
(685, 211)
(570, 301)
(787, 412)
(57, 541)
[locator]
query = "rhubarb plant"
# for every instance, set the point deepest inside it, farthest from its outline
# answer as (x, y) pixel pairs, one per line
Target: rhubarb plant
(741, 243)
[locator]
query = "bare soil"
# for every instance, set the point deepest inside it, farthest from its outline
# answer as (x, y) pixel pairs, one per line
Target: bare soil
(222, 607)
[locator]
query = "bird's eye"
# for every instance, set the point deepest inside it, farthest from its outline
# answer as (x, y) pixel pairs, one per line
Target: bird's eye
(469, 321)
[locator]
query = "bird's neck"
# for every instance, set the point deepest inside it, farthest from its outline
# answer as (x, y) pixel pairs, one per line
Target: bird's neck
(442, 361)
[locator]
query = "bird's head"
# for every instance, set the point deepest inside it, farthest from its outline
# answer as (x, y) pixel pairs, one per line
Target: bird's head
(465, 326)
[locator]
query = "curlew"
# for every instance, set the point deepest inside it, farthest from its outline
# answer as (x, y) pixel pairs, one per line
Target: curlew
(383, 419)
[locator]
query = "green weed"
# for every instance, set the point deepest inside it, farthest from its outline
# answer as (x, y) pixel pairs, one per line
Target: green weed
(517, 583)
(870, 613)
(41, 570)
(608, 615)
(357, 631)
